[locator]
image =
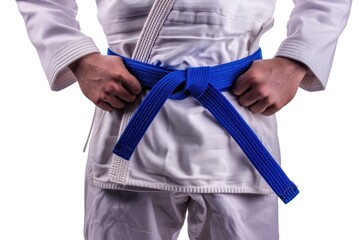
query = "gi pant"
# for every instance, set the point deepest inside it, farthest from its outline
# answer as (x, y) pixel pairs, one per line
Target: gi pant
(126, 215)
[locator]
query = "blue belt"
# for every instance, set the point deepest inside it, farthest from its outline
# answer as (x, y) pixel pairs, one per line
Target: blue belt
(205, 84)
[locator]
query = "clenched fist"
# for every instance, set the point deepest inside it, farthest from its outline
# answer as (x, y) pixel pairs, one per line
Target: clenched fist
(105, 81)
(269, 84)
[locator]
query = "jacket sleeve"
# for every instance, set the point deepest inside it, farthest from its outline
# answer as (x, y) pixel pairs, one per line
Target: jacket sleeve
(53, 29)
(312, 34)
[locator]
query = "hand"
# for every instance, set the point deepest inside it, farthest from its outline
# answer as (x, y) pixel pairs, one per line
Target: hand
(105, 81)
(269, 84)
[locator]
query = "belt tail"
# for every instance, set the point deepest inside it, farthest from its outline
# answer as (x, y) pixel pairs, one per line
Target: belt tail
(146, 113)
(244, 136)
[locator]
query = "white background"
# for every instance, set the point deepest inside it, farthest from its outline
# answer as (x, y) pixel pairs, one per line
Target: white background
(42, 134)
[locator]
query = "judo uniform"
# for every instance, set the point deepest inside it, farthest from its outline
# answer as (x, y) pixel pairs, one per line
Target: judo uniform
(186, 160)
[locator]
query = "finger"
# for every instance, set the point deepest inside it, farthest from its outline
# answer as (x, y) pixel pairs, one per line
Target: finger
(125, 95)
(121, 92)
(248, 98)
(105, 106)
(115, 102)
(131, 83)
(240, 86)
(259, 106)
(270, 110)
(127, 79)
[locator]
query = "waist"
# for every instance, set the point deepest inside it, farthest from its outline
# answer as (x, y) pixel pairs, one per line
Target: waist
(204, 84)
(222, 76)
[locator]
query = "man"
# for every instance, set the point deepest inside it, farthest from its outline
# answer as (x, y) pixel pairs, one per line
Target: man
(185, 161)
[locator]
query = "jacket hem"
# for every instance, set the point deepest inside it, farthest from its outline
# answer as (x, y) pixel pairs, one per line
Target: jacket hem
(141, 186)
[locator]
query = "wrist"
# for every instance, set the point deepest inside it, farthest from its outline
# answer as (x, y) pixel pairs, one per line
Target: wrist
(297, 65)
(75, 64)
(294, 66)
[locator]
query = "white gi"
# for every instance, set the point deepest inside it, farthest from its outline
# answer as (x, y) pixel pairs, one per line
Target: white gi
(184, 151)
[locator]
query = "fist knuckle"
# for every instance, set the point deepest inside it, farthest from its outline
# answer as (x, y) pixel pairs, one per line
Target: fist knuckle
(254, 76)
(100, 97)
(260, 90)
(111, 87)
(118, 74)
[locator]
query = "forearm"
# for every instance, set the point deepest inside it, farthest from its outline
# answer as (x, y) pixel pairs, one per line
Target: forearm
(313, 30)
(53, 29)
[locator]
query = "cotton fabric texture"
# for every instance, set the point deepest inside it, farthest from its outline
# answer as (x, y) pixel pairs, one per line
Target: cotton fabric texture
(185, 151)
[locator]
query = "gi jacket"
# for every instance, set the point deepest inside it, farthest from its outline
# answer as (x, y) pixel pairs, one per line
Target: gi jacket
(184, 149)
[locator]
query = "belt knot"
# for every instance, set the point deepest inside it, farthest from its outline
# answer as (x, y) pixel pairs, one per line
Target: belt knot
(197, 80)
